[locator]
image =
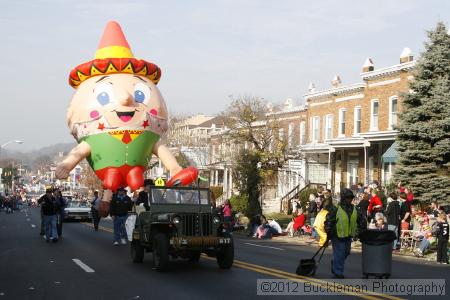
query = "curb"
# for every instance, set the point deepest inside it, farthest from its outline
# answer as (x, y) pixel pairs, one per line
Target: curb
(312, 243)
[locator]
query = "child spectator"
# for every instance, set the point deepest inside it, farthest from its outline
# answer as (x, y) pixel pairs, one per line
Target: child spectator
(442, 234)
(263, 231)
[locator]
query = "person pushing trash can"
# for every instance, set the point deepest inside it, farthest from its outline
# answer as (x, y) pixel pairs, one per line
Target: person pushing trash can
(342, 224)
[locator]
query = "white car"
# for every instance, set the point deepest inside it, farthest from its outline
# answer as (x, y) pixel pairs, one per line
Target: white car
(77, 210)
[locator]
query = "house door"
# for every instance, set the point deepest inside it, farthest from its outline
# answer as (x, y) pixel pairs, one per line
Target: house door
(352, 172)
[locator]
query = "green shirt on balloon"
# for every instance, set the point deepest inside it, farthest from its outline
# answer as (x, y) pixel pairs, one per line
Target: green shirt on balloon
(120, 147)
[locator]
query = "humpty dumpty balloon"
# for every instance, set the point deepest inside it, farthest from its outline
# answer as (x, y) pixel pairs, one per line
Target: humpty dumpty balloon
(117, 115)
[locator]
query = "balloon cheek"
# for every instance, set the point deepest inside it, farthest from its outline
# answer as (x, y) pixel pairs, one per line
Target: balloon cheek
(153, 112)
(94, 114)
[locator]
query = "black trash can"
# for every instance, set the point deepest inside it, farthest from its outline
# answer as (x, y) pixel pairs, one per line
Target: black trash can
(377, 253)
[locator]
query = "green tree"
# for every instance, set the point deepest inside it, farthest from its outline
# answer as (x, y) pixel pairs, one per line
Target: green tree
(424, 128)
(247, 179)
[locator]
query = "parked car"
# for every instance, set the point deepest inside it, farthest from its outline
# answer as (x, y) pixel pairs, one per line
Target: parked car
(77, 210)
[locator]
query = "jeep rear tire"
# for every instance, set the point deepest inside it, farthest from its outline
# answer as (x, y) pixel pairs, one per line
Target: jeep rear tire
(160, 252)
(137, 251)
(225, 256)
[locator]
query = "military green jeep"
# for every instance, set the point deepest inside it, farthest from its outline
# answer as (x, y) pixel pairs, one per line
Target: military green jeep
(181, 223)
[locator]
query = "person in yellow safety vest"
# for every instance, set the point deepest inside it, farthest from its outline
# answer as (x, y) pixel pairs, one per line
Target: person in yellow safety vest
(342, 224)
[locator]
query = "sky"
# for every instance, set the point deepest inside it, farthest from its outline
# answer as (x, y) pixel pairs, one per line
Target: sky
(209, 51)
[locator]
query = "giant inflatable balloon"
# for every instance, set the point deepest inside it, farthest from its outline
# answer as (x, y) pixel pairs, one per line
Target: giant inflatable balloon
(117, 115)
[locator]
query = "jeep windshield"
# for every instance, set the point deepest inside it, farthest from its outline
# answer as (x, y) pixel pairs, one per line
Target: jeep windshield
(179, 196)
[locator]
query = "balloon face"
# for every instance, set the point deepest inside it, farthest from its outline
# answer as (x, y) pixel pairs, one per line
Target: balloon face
(117, 101)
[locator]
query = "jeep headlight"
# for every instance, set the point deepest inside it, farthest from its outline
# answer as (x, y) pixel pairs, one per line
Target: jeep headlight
(216, 220)
(176, 220)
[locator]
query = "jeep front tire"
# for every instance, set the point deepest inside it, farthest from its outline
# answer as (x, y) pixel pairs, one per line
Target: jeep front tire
(225, 256)
(137, 251)
(160, 252)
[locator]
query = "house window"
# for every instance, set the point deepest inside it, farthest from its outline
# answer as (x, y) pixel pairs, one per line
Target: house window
(281, 134)
(392, 112)
(302, 133)
(342, 116)
(316, 129)
(329, 127)
(374, 115)
(290, 134)
(357, 117)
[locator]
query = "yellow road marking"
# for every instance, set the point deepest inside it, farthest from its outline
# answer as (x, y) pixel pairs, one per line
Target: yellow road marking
(99, 227)
(283, 274)
(309, 279)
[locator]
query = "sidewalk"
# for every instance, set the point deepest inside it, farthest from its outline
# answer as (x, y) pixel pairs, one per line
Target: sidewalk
(356, 246)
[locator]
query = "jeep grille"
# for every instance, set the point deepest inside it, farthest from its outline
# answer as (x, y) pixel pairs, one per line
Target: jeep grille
(191, 224)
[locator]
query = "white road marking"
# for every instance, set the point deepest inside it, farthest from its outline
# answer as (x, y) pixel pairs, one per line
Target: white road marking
(263, 246)
(31, 288)
(57, 282)
(83, 265)
(28, 219)
(32, 225)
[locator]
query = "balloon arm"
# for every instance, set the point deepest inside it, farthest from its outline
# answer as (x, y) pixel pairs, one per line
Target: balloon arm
(77, 154)
(167, 158)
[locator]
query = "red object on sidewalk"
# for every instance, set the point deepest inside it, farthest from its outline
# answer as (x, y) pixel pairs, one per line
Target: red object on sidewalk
(299, 222)
(184, 177)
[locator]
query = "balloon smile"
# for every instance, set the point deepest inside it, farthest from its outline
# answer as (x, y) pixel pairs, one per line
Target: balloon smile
(125, 116)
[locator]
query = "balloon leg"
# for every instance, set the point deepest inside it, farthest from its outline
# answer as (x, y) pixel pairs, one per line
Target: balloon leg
(135, 178)
(113, 179)
(105, 203)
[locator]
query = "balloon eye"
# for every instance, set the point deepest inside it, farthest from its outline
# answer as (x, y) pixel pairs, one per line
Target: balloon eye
(103, 98)
(104, 94)
(142, 93)
(139, 96)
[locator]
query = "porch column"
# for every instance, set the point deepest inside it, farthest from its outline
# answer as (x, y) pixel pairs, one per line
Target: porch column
(225, 183)
(230, 185)
(366, 158)
(216, 177)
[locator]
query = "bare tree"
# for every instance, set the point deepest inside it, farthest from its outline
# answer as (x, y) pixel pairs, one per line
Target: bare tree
(262, 143)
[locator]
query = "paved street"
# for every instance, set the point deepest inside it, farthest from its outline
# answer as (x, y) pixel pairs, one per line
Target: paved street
(33, 269)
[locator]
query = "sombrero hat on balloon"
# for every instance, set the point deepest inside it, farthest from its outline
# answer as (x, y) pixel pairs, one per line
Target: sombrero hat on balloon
(114, 56)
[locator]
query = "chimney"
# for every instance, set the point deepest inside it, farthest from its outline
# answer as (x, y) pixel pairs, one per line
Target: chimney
(289, 103)
(311, 88)
(368, 65)
(336, 81)
(406, 55)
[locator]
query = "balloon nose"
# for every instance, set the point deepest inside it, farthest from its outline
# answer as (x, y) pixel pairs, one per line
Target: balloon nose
(125, 99)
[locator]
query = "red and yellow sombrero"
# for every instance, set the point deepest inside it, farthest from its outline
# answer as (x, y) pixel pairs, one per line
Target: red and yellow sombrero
(114, 56)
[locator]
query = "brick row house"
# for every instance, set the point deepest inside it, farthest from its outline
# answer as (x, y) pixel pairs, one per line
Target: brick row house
(352, 127)
(341, 136)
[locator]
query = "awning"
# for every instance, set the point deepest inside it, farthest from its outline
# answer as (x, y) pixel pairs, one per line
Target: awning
(391, 154)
